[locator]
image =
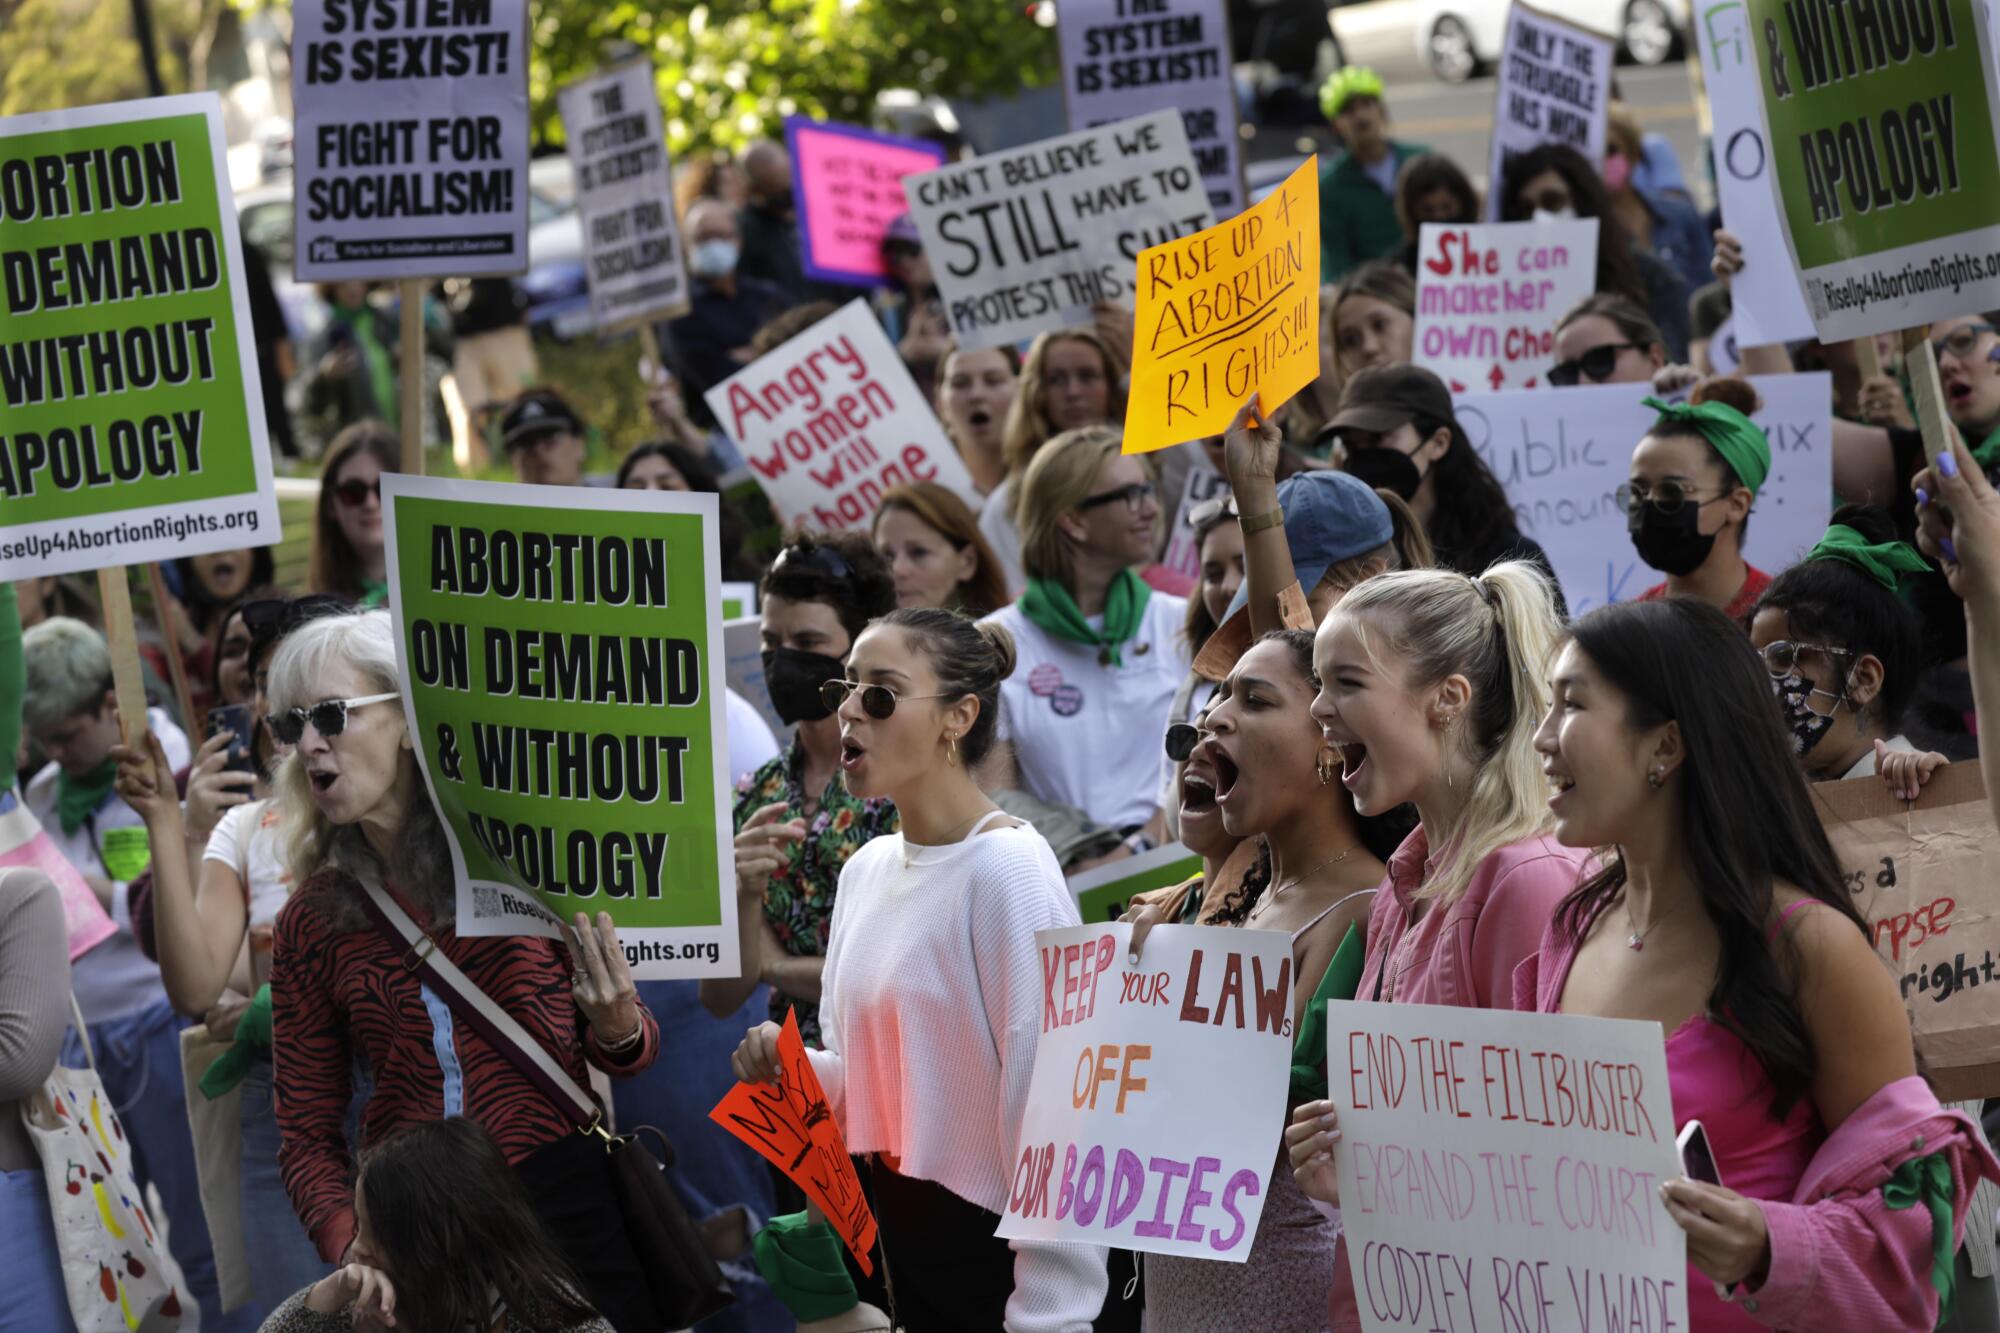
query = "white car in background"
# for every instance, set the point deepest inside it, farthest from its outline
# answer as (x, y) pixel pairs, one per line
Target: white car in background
(1461, 38)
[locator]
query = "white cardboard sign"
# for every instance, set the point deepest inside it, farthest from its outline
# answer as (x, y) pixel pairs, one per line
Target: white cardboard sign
(624, 196)
(1553, 86)
(1489, 296)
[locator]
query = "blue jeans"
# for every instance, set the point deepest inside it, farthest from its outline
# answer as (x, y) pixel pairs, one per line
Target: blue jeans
(36, 1302)
(139, 1059)
(282, 1257)
(713, 1171)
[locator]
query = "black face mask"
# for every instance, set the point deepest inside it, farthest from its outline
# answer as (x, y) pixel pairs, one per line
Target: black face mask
(793, 678)
(1671, 543)
(778, 203)
(1386, 469)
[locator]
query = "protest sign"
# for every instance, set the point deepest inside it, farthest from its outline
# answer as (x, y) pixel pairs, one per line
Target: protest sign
(560, 669)
(791, 1126)
(1561, 453)
(848, 184)
(624, 197)
(410, 147)
(1768, 306)
(738, 600)
(1225, 313)
(133, 425)
(1183, 554)
(23, 842)
(1103, 893)
(1552, 85)
(743, 647)
(1124, 58)
(1504, 1168)
(1031, 238)
(1157, 1106)
(831, 419)
(1884, 158)
(1926, 877)
(1489, 297)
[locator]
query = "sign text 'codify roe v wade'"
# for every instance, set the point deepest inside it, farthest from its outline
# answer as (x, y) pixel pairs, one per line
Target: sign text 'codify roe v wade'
(1158, 1098)
(1501, 1170)
(561, 674)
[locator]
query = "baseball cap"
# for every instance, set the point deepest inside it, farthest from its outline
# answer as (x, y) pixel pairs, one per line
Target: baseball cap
(1381, 399)
(536, 413)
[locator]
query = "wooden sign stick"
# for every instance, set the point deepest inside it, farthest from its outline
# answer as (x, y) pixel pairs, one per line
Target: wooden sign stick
(410, 365)
(176, 665)
(127, 679)
(1922, 368)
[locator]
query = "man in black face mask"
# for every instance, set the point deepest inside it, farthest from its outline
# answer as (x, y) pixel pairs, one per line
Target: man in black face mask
(769, 224)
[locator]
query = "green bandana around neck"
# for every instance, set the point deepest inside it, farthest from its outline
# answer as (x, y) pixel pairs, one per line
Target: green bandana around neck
(1049, 606)
(1734, 436)
(78, 798)
(1988, 453)
(1882, 561)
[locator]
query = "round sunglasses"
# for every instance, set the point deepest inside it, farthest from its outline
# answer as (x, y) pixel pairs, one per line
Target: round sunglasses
(878, 701)
(328, 716)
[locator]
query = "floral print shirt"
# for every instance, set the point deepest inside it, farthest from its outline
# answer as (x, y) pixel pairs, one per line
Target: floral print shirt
(798, 902)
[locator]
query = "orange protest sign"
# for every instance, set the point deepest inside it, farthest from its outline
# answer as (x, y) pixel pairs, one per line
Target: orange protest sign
(1225, 313)
(791, 1127)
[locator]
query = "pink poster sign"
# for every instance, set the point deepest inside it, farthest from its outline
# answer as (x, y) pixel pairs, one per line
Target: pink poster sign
(24, 843)
(848, 185)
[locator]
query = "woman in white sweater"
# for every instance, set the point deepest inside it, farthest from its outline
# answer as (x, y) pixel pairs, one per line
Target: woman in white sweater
(931, 994)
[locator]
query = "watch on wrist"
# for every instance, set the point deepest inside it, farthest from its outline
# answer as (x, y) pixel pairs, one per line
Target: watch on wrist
(1270, 518)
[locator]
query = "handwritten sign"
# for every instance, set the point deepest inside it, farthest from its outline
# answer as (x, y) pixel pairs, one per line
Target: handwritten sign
(1158, 1100)
(1102, 893)
(831, 419)
(743, 649)
(1031, 238)
(632, 244)
(23, 842)
(1561, 453)
(1124, 58)
(1926, 876)
(1225, 313)
(848, 183)
(1500, 1170)
(1489, 297)
(791, 1127)
(1553, 86)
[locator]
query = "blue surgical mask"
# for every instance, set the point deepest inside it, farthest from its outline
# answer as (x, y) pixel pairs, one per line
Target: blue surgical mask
(713, 258)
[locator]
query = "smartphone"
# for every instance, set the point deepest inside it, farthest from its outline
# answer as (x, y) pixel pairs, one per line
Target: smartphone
(237, 720)
(1697, 1159)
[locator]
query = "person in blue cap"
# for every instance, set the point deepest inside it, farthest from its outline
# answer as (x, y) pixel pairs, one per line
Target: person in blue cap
(1357, 187)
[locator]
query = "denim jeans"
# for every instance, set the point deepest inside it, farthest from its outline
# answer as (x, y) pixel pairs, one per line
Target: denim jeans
(282, 1257)
(35, 1301)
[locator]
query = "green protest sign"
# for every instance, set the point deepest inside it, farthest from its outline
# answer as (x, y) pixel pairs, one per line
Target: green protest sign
(1103, 894)
(562, 673)
(131, 421)
(1881, 117)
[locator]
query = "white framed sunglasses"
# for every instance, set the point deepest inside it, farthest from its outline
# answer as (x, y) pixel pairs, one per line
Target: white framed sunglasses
(328, 717)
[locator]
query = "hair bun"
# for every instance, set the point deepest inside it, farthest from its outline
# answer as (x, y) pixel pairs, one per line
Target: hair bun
(1872, 521)
(1730, 391)
(1002, 643)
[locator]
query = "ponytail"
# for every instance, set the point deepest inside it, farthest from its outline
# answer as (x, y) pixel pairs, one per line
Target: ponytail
(1406, 533)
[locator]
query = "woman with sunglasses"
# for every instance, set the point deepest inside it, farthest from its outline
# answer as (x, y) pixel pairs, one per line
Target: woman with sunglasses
(1610, 339)
(355, 812)
(1694, 478)
(348, 558)
(1100, 652)
(933, 985)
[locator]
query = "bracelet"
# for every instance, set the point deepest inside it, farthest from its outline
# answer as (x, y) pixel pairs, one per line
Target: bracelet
(624, 1043)
(1270, 518)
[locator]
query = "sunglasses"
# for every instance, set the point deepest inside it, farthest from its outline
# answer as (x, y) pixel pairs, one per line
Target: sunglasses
(1961, 342)
(1182, 737)
(1595, 365)
(820, 559)
(328, 717)
(356, 492)
(878, 701)
(1208, 511)
(1133, 495)
(1781, 656)
(1667, 497)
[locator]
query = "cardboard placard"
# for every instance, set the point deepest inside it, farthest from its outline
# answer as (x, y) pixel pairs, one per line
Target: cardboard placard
(411, 141)
(1503, 1168)
(832, 419)
(1124, 58)
(131, 421)
(1158, 1100)
(1553, 85)
(1103, 893)
(1489, 297)
(1926, 876)
(559, 669)
(633, 258)
(848, 183)
(1031, 238)
(791, 1126)
(743, 645)
(23, 842)
(1226, 313)
(1561, 454)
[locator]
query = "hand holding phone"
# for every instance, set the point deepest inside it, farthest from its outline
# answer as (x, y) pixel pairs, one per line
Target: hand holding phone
(1697, 1158)
(237, 720)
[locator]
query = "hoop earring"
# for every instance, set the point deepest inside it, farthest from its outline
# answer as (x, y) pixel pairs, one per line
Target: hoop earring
(951, 751)
(1324, 766)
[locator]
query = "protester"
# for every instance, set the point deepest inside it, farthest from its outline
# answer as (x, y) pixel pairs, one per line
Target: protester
(710, 175)
(663, 465)
(1373, 320)
(1099, 650)
(353, 369)
(357, 818)
(1694, 478)
(1609, 339)
(931, 543)
(1357, 186)
(34, 1014)
(348, 558)
(209, 587)
(974, 399)
(492, 356)
(769, 224)
(1431, 188)
(1959, 513)
(1234, 871)
(1661, 222)
(1218, 543)
(543, 436)
(230, 680)
(796, 822)
(1723, 918)
(277, 359)
(451, 1243)
(933, 985)
(727, 304)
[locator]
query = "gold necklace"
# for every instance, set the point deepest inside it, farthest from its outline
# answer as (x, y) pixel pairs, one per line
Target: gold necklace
(1297, 880)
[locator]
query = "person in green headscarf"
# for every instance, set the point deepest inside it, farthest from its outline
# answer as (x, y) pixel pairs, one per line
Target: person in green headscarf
(1687, 504)
(1357, 187)
(352, 370)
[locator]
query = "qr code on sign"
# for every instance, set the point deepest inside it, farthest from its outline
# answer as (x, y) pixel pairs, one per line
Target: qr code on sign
(486, 902)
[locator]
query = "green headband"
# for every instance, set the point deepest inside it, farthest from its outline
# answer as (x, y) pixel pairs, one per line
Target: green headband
(1882, 561)
(1345, 82)
(1734, 436)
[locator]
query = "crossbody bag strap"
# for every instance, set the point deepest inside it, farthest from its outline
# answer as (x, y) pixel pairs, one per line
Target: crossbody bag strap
(422, 957)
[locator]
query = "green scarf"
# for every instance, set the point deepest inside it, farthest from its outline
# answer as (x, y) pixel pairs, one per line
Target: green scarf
(78, 798)
(375, 358)
(1732, 434)
(1988, 452)
(801, 1260)
(1049, 607)
(1927, 1181)
(374, 592)
(1883, 561)
(253, 1040)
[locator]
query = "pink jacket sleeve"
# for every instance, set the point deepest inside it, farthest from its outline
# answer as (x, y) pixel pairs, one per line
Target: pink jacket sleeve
(1511, 924)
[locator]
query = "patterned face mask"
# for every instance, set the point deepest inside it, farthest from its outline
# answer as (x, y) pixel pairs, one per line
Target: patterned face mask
(1808, 728)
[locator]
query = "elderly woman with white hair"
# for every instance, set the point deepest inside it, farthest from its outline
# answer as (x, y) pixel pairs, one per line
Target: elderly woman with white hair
(357, 815)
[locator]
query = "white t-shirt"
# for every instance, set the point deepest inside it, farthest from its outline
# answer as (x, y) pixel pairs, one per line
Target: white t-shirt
(996, 525)
(1086, 734)
(249, 839)
(751, 744)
